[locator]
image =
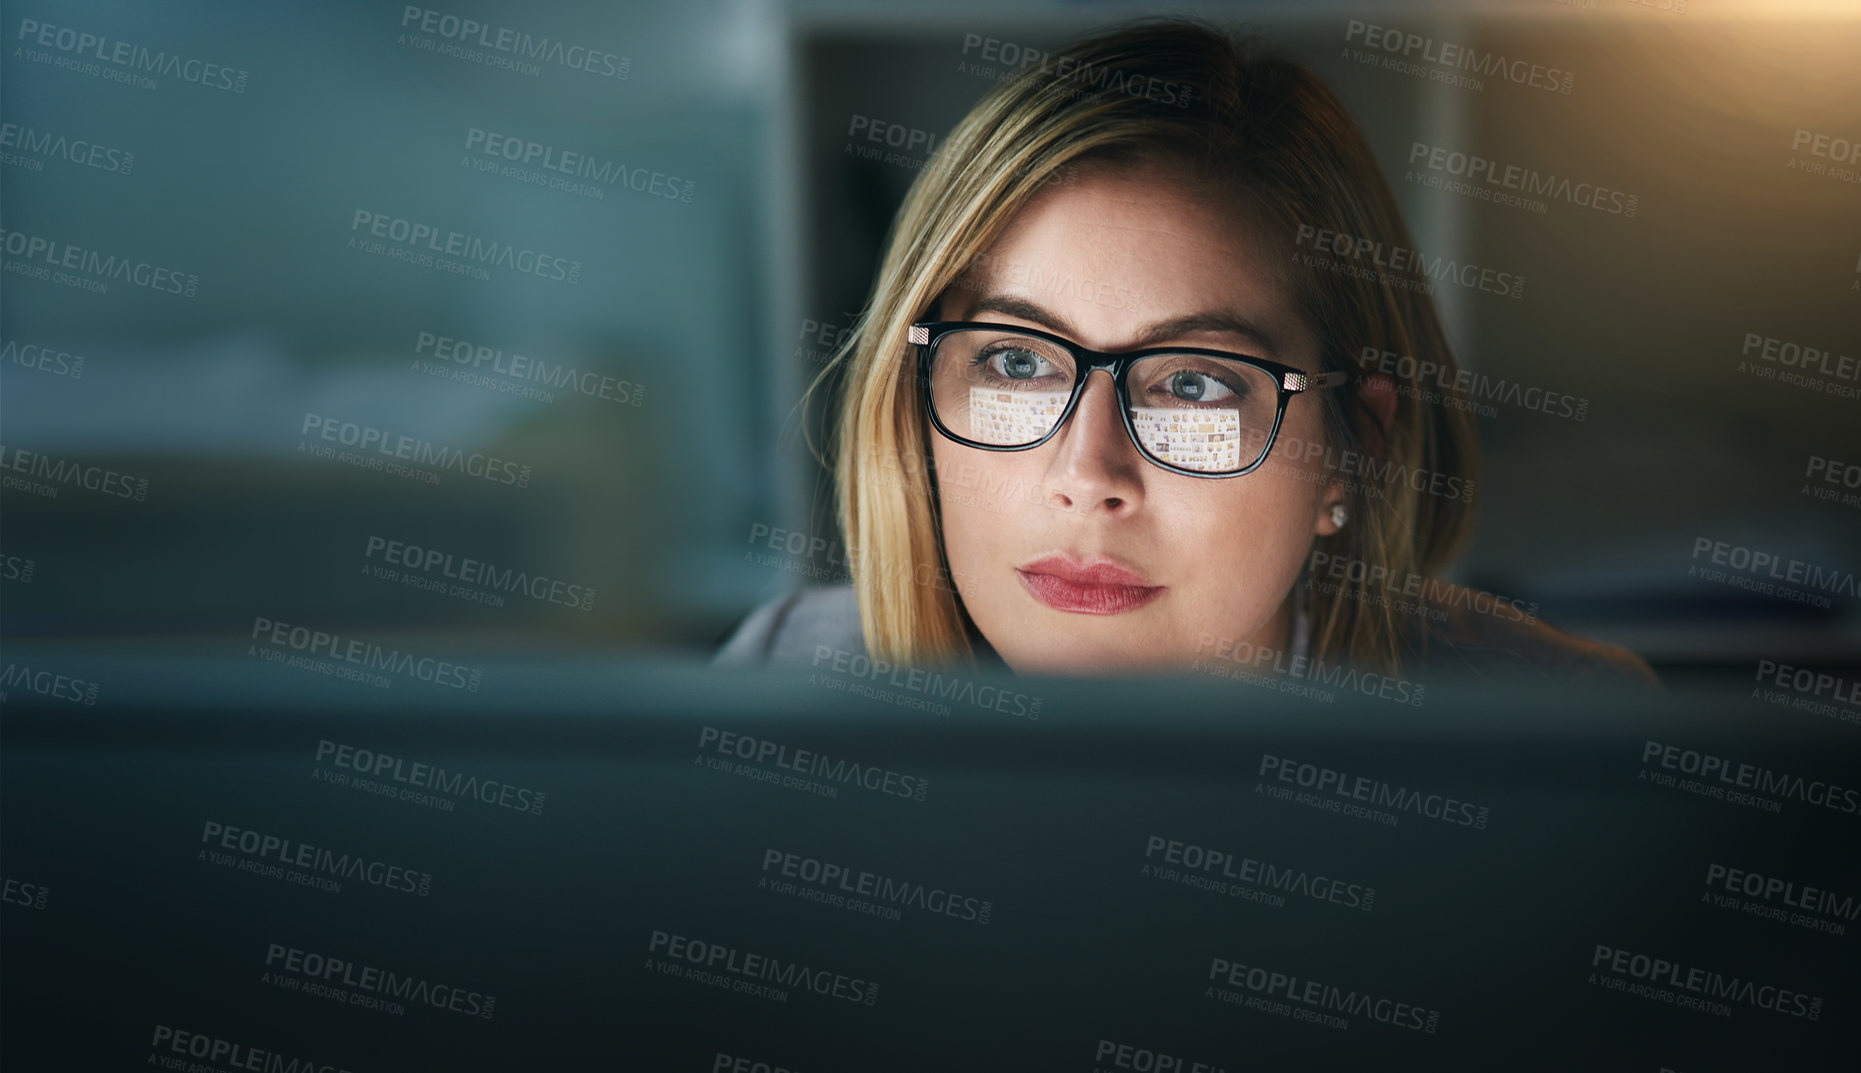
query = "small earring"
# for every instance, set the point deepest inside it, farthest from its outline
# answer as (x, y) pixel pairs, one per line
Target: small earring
(1340, 514)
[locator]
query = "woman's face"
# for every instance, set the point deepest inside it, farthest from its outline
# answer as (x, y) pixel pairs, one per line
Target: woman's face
(1115, 261)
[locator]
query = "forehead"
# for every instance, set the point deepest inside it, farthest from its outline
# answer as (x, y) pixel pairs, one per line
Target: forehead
(1117, 251)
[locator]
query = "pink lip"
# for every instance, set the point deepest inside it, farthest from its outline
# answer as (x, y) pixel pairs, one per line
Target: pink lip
(1101, 587)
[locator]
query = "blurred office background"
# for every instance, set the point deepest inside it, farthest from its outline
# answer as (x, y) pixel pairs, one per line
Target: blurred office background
(741, 237)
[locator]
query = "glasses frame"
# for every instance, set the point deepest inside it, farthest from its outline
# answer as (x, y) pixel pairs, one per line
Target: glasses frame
(1288, 380)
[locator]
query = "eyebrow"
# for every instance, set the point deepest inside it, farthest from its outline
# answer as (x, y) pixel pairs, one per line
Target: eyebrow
(1175, 327)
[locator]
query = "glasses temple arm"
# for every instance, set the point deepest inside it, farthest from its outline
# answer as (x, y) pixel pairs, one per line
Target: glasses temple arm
(1297, 382)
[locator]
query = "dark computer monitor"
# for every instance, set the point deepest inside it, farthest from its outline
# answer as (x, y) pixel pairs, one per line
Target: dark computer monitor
(224, 864)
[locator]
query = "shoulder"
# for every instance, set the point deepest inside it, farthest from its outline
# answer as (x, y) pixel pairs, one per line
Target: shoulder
(1474, 634)
(795, 628)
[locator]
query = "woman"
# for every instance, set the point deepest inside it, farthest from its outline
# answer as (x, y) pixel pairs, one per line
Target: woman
(1244, 485)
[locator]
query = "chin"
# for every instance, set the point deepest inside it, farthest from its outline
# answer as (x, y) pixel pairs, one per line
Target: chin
(1087, 660)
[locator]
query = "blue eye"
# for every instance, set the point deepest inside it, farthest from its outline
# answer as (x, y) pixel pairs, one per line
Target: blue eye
(1014, 363)
(1191, 386)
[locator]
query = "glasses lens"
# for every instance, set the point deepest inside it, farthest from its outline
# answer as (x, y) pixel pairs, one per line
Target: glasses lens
(999, 387)
(1202, 414)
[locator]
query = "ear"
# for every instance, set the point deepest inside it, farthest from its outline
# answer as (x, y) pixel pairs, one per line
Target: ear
(1321, 522)
(1377, 395)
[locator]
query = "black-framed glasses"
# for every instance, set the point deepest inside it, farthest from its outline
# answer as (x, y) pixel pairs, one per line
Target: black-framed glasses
(1201, 413)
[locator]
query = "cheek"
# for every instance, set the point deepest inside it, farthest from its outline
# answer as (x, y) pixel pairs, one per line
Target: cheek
(993, 511)
(967, 531)
(1294, 470)
(1298, 483)
(1259, 528)
(1256, 524)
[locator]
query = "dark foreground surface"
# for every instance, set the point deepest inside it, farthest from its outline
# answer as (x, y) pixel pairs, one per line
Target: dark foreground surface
(227, 865)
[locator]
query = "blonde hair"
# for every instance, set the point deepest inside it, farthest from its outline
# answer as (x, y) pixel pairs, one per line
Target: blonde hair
(1265, 129)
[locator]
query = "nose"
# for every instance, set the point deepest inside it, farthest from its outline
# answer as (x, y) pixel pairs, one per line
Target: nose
(1095, 466)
